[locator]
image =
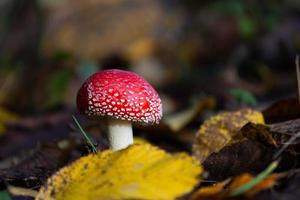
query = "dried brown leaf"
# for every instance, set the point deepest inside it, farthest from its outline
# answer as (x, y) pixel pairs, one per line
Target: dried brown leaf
(220, 130)
(283, 110)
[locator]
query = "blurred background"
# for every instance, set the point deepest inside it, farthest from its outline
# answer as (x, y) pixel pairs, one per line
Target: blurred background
(238, 52)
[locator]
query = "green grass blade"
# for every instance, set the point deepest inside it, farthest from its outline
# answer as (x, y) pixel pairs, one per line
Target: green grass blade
(246, 187)
(88, 140)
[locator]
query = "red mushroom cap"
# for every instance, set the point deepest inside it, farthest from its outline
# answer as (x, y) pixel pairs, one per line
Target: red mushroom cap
(119, 94)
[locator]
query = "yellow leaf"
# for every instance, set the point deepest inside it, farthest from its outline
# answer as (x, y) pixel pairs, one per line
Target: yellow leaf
(140, 171)
(5, 117)
(139, 140)
(219, 131)
(19, 191)
(179, 120)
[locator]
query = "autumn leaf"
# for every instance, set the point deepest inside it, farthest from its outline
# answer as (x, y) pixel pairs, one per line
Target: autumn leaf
(258, 132)
(140, 171)
(277, 134)
(179, 120)
(210, 191)
(283, 110)
(244, 185)
(220, 130)
(267, 183)
(248, 185)
(19, 191)
(222, 190)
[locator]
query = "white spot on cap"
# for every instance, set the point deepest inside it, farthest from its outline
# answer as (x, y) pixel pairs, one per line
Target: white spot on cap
(110, 113)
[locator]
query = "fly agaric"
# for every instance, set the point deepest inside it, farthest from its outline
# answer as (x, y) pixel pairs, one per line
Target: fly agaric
(123, 97)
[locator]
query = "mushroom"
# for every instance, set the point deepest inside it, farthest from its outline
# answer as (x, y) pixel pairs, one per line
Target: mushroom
(123, 97)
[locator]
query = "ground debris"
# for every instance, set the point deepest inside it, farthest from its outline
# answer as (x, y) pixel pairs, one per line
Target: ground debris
(38, 166)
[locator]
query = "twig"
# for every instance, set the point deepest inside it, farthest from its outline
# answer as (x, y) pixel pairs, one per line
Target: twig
(288, 143)
(298, 74)
(88, 140)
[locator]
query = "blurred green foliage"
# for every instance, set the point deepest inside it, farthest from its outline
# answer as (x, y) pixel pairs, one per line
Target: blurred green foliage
(251, 16)
(86, 68)
(4, 195)
(57, 85)
(243, 96)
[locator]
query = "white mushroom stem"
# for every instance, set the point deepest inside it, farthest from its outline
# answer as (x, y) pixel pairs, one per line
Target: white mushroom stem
(119, 134)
